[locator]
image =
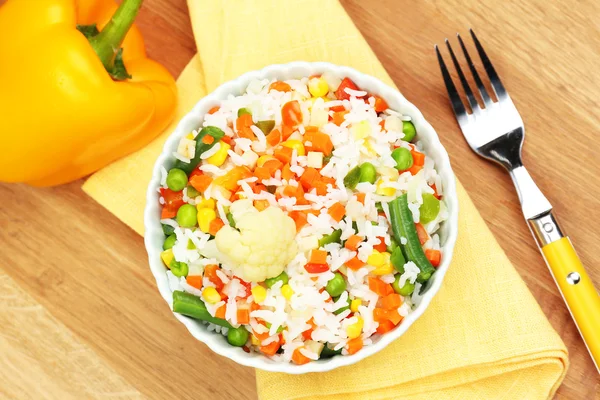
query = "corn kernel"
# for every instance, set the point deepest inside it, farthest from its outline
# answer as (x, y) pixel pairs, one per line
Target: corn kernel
(368, 146)
(318, 86)
(361, 130)
(254, 340)
(263, 159)
(259, 293)
(220, 156)
(376, 259)
(211, 295)
(205, 217)
(295, 144)
(384, 191)
(384, 269)
(391, 173)
(206, 203)
(167, 256)
(393, 123)
(287, 291)
(354, 304)
(353, 331)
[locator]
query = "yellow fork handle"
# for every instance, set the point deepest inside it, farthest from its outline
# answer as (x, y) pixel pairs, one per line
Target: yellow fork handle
(578, 292)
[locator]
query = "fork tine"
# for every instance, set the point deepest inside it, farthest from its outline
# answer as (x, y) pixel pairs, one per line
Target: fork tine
(457, 104)
(482, 90)
(463, 81)
(489, 69)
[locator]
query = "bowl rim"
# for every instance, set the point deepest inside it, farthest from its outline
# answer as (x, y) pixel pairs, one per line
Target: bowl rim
(152, 223)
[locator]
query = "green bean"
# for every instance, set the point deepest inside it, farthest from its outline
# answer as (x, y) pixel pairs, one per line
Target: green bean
(168, 230)
(368, 173)
(237, 336)
(430, 208)
(230, 220)
(405, 290)
(176, 179)
(266, 126)
(192, 192)
(279, 330)
(216, 133)
(336, 285)
(403, 158)
(283, 277)
(192, 306)
(328, 352)
(408, 128)
(187, 216)
(333, 237)
(397, 259)
(179, 268)
(169, 242)
(341, 310)
(393, 244)
(352, 178)
(243, 111)
(403, 225)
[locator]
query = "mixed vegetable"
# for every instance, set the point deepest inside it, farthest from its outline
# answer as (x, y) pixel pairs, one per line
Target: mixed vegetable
(289, 219)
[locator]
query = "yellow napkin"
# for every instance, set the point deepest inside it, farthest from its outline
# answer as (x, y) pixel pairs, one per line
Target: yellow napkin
(483, 336)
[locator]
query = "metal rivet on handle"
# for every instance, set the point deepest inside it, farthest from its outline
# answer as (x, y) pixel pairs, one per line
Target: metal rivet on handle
(548, 227)
(573, 278)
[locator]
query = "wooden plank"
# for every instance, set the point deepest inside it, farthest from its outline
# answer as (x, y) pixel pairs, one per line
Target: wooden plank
(68, 253)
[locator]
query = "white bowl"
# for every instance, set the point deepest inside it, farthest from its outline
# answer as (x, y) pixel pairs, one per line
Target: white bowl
(425, 133)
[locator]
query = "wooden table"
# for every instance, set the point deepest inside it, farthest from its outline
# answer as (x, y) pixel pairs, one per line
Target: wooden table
(73, 326)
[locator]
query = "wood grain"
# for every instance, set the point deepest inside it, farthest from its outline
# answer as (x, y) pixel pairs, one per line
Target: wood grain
(70, 264)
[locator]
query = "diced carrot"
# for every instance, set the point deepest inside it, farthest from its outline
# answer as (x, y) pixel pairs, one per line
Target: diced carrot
(194, 281)
(435, 192)
(355, 345)
(280, 86)
(360, 196)
(380, 287)
(380, 314)
(228, 140)
(273, 165)
(167, 213)
(243, 316)
(214, 109)
(207, 139)
(210, 272)
(262, 173)
(316, 268)
(290, 191)
(381, 247)
(434, 257)
(274, 138)
(418, 158)
(200, 182)
(254, 306)
(246, 133)
(220, 313)
(385, 326)
(382, 125)
(319, 142)
(299, 218)
(259, 187)
(339, 117)
(244, 121)
(340, 93)
(261, 336)
(270, 349)
(320, 186)
(300, 199)
(390, 302)
(286, 173)
(286, 132)
(283, 154)
(215, 225)
(422, 233)
(307, 178)
(318, 257)
(414, 169)
(352, 242)
(394, 317)
(380, 104)
(355, 264)
(298, 358)
(291, 113)
(230, 180)
(337, 211)
(261, 204)
(307, 333)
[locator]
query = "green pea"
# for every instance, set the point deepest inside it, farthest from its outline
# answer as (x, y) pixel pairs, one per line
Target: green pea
(237, 336)
(341, 310)
(403, 158)
(168, 230)
(192, 192)
(230, 220)
(397, 259)
(243, 111)
(368, 173)
(408, 128)
(283, 277)
(405, 290)
(393, 244)
(352, 178)
(187, 216)
(333, 237)
(169, 242)
(178, 268)
(266, 126)
(176, 179)
(430, 208)
(336, 285)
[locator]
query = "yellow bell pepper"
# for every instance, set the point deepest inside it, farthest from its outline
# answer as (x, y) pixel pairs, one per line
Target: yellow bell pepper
(75, 99)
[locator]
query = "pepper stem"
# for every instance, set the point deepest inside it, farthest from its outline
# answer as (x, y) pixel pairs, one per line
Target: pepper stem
(108, 42)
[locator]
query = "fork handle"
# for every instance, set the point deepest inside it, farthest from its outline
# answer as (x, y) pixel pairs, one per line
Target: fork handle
(575, 285)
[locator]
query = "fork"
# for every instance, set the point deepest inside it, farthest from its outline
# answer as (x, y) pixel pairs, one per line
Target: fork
(496, 132)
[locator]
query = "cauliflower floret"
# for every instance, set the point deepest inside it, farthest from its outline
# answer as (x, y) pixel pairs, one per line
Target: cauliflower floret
(262, 244)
